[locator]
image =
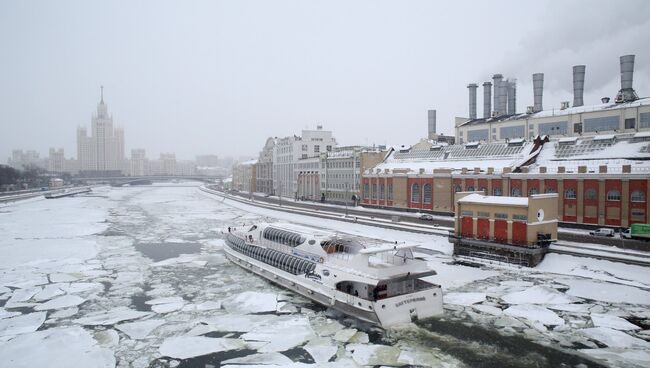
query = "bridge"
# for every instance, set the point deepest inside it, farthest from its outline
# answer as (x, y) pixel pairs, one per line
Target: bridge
(143, 180)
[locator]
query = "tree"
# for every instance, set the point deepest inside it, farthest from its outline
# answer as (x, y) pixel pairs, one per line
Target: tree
(9, 175)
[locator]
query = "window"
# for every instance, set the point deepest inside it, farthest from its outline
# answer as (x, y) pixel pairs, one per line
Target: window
(570, 193)
(483, 189)
(501, 216)
(520, 217)
(590, 194)
(516, 192)
(457, 189)
(555, 128)
(415, 193)
(532, 191)
(316, 148)
(304, 147)
(630, 123)
(483, 214)
(637, 196)
(427, 193)
(614, 195)
(470, 188)
(638, 213)
(390, 191)
(304, 155)
(382, 191)
(374, 191)
(644, 120)
(477, 135)
(496, 191)
(512, 132)
(365, 190)
(550, 190)
(466, 213)
(601, 124)
(577, 128)
(328, 148)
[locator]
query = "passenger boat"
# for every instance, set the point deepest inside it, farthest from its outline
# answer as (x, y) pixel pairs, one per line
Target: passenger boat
(381, 284)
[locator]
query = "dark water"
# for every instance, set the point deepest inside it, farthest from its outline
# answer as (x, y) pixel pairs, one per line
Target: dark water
(161, 251)
(481, 347)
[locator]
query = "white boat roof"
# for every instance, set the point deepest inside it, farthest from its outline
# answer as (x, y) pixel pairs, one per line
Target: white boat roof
(386, 248)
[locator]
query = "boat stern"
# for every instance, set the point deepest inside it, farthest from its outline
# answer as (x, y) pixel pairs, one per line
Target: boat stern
(409, 307)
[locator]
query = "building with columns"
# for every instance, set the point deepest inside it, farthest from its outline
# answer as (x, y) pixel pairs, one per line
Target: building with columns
(101, 152)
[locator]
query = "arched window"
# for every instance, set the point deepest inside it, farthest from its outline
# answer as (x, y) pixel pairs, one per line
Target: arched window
(614, 195)
(590, 194)
(532, 191)
(374, 191)
(637, 196)
(483, 189)
(470, 188)
(516, 192)
(415, 193)
(457, 189)
(427, 193)
(550, 190)
(382, 191)
(496, 191)
(570, 193)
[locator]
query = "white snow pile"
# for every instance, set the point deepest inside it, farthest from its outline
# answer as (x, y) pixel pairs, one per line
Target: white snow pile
(538, 295)
(252, 302)
(614, 322)
(184, 347)
(465, 299)
(535, 313)
(614, 339)
(56, 347)
(21, 324)
(111, 317)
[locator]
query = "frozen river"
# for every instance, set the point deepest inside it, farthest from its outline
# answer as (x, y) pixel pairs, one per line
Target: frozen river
(135, 277)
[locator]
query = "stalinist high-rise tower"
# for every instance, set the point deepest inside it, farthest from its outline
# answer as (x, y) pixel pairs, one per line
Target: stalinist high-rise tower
(101, 153)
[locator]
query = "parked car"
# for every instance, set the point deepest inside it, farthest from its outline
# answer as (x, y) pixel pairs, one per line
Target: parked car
(426, 217)
(603, 231)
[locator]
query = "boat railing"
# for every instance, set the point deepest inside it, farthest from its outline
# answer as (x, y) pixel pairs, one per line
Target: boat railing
(288, 249)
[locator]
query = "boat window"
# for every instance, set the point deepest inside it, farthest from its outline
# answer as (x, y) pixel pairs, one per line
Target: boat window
(340, 246)
(252, 228)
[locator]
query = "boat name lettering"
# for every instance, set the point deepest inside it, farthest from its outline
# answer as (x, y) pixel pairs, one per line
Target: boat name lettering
(409, 301)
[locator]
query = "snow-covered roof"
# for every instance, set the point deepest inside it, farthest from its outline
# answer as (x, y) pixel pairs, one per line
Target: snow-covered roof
(494, 200)
(497, 156)
(645, 134)
(249, 162)
(611, 151)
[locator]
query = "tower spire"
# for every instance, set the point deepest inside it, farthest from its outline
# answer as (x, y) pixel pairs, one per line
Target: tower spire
(102, 88)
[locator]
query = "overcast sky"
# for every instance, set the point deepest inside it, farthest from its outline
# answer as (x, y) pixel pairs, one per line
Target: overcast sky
(218, 77)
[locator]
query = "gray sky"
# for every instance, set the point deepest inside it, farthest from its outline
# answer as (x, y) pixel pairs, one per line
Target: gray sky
(197, 77)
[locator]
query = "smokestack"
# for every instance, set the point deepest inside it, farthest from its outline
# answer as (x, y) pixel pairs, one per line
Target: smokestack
(626, 93)
(578, 84)
(487, 100)
(432, 122)
(503, 97)
(512, 97)
(472, 100)
(497, 84)
(538, 91)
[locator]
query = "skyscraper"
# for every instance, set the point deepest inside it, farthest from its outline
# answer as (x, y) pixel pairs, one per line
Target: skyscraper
(102, 153)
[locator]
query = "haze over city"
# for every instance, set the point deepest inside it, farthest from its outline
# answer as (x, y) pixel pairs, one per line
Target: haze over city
(220, 77)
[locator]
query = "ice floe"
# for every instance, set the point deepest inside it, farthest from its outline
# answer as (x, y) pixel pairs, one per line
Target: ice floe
(252, 302)
(321, 349)
(263, 359)
(534, 313)
(619, 357)
(111, 317)
(21, 324)
(374, 354)
(614, 338)
(56, 347)
(61, 302)
(282, 335)
(141, 329)
(465, 299)
(607, 292)
(538, 295)
(609, 321)
(184, 347)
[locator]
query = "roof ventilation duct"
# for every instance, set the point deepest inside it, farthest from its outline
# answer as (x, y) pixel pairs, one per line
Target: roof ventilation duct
(578, 85)
(538, 91)
(626, 93)
(472, 100)
(487, 100)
